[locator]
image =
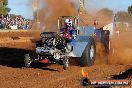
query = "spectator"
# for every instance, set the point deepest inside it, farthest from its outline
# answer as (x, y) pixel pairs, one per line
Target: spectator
(0, 22)
(8, 22)
(4, 23)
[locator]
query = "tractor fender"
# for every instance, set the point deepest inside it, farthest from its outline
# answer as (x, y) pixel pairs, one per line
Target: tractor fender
(82, 40)
(79, 46)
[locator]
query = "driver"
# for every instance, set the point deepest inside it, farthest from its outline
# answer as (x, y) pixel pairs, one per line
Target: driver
(68, 23)
(69, 31)
(69, 28)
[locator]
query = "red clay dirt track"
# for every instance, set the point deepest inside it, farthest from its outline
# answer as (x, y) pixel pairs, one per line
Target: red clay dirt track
(13, 75)
(21, 39)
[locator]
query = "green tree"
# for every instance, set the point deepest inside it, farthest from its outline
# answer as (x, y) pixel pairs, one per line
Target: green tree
(130, 10)
(4, 10)
(123, 16)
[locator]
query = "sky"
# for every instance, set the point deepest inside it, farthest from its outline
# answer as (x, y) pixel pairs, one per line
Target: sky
(21, 7)
(115, 5)
(24, 7)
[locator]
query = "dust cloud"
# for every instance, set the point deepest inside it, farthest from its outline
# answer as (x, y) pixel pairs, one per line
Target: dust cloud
(120, 51)
(53, 9)
(122, 48)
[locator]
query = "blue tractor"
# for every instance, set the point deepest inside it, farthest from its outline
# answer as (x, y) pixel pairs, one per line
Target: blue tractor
(72, 40)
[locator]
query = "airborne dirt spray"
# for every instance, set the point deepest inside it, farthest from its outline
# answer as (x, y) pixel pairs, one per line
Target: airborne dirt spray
(120, 52)
(122, 45)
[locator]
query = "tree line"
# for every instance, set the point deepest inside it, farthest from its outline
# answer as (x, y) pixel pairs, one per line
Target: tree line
(121, 16)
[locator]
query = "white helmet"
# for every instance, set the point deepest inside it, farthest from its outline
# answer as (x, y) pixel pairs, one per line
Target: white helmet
(68, 21)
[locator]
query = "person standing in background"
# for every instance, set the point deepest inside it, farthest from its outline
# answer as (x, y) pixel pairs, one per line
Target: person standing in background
(0, 22)
(95, 24)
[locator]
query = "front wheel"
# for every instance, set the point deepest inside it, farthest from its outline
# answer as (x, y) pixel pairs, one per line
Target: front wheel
(27, 61)
(65, 63)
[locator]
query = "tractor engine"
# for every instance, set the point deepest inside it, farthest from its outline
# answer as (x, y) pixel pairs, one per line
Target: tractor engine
(53, 45)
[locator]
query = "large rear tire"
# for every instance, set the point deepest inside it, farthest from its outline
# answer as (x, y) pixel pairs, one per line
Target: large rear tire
(88, 56)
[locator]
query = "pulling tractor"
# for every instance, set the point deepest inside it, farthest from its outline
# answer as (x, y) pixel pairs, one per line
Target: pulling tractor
(71, 41)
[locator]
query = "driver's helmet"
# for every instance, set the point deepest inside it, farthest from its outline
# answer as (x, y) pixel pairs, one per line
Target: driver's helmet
(68, 22)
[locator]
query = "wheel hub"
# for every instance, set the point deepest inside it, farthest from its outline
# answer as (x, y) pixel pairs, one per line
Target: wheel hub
(65, 63)
(92, 52)
(57, 56)
(29, 61)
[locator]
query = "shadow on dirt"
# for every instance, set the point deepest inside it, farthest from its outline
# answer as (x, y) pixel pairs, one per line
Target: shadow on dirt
(124, 75)
(42, 66)
(12, 57)
(49, 69)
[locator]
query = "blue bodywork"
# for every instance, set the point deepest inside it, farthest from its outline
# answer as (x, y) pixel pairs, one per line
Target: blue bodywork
(98, 35)
(81, 41)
